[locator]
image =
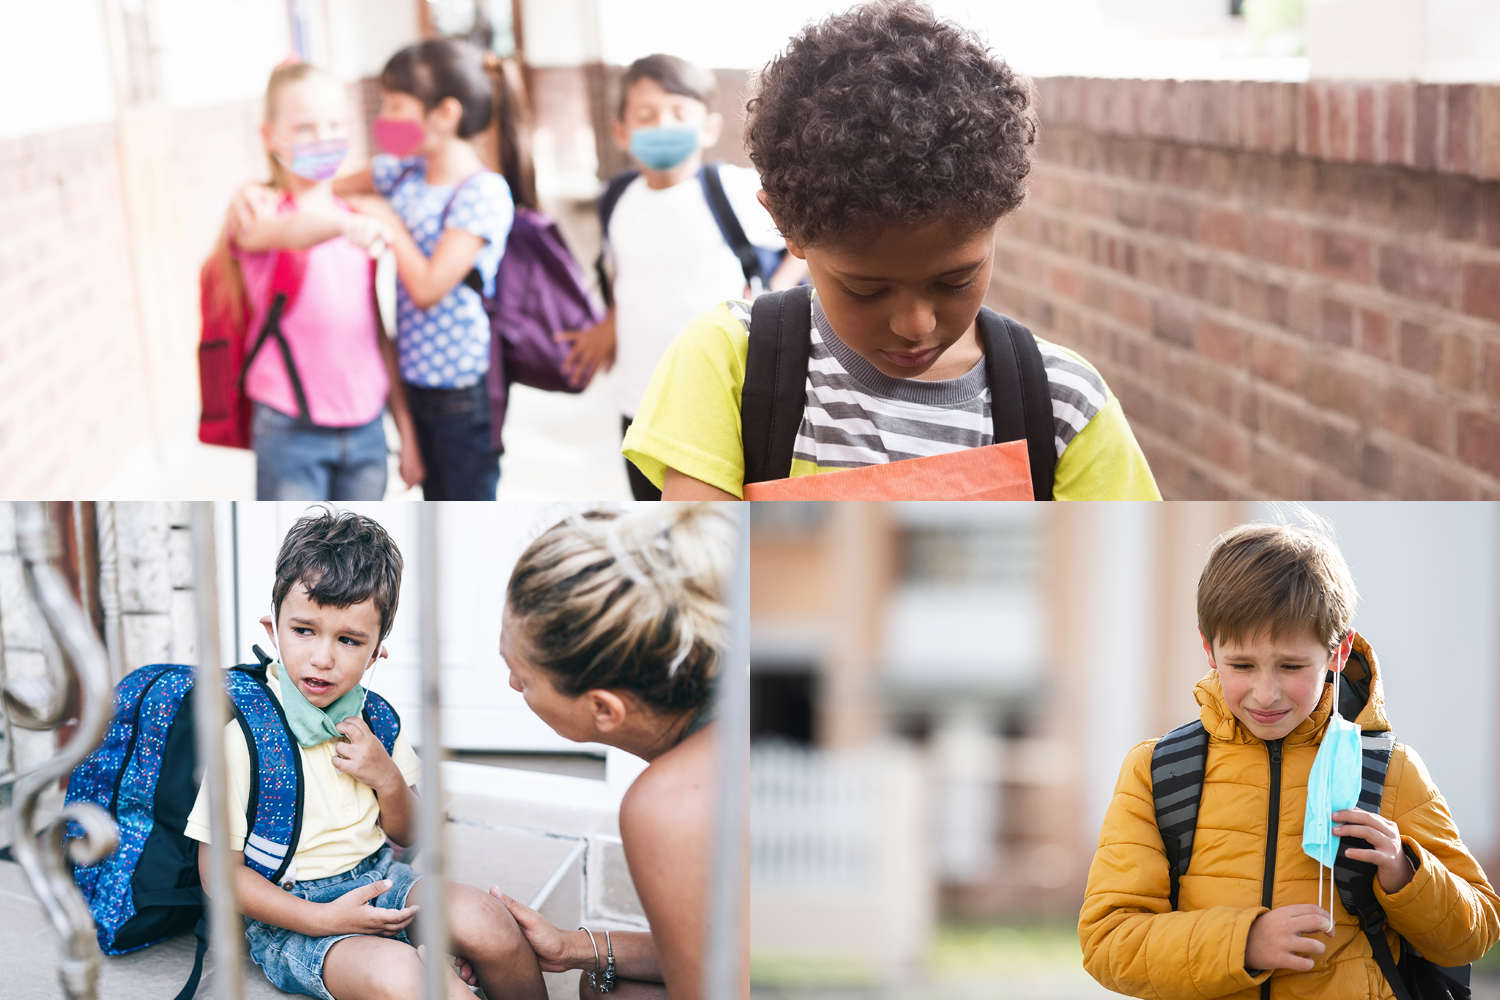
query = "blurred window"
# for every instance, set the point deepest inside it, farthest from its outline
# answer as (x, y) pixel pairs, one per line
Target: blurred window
(980, 555)
(781, 703)
(788, 517)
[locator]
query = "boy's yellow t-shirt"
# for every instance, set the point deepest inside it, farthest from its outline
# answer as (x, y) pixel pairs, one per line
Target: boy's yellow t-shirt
(689, 420)
(340, 814)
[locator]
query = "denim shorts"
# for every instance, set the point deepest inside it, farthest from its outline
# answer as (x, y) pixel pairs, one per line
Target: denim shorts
(294, 962)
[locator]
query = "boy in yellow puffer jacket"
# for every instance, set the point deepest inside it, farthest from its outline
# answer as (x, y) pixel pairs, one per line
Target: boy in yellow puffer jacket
(1274, 609)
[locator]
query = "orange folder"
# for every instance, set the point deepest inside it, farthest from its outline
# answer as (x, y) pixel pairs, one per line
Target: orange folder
(994, 472)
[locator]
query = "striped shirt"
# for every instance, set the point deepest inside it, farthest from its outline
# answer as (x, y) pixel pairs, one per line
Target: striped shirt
(856, 415)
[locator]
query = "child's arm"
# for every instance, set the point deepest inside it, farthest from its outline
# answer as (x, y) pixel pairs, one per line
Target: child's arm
(1133, 941)
(1447, 909)
(359, 182)
(302, 229)
(427, 279)
(262, 900)
(681, 486)
(364, 758)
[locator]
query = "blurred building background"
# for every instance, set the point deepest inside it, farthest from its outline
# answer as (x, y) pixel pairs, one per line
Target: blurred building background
(1274, 225)
(526, 808)
(943, 695)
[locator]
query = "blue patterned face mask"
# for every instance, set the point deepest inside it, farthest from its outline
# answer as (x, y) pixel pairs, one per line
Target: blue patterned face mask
(1332, 785)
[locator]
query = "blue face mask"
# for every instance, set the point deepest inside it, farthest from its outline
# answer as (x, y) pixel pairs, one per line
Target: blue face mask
(1332, 785)
(663, 147)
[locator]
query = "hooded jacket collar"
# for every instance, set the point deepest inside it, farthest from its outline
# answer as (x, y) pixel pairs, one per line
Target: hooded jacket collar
(1221, 724)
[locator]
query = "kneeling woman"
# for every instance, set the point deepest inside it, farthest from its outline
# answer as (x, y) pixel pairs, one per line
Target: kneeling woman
(614, 632)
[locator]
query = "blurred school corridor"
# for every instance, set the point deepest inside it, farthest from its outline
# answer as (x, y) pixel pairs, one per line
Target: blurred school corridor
(1274, 225)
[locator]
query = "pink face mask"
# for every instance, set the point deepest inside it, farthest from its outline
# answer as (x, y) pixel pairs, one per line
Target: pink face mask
(399, 136)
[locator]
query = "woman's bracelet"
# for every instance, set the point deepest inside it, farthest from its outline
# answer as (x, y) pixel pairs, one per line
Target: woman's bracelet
(608, 977)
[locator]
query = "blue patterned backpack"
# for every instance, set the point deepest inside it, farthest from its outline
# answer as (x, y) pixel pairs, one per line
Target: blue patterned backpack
(145, 774)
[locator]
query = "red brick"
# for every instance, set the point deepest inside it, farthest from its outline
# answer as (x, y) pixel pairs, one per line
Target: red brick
(1217, 341)
(1338, 323)
(1421, 476)
(1341, 390)
(1278, 476)
(1479, 441)
(1417, 418)
(1462, 128)
(1364, 124)
(1398, 104)
(1277, 304)
(1458, 207)
(1221, 228)
(1489, 374)
(1457, 362)
(1279, 362)
(1311, 142)
(1481, 295)
(1285, 243)
(1340, 121)
(1172, 322)
(1174, 217)
(1375, 334)
(1420, 275)
(1342, 256)
(1227, 446)
(1489, 213)
(1427, 109)
(1417, 348)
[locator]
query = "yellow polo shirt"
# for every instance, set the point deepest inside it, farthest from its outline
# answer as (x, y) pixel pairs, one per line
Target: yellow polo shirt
(340, 814)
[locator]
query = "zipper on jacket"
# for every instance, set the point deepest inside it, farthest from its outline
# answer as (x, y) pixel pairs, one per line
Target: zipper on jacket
(1273, 831)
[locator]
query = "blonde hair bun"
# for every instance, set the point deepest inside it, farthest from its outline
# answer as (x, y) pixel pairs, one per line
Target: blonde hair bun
(629, 600)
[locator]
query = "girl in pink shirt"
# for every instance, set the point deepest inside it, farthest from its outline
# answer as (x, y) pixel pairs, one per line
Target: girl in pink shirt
(317, 429)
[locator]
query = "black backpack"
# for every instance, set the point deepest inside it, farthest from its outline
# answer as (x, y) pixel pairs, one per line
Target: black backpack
(758, 263)
(1178, 764)
(774, 393)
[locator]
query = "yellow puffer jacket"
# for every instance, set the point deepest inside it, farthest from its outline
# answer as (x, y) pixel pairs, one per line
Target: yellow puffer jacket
(1133, 942)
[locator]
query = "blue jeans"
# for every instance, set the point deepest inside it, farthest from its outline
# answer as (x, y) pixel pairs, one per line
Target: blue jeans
(453, 431)
(293, 962)
(297, 462)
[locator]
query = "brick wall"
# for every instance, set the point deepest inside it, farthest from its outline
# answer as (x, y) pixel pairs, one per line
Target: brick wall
(72, 379)
(1293, 289)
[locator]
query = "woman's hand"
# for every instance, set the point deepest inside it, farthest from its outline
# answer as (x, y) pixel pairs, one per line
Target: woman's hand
(1392, 867)
(352, 913)
(549, 942)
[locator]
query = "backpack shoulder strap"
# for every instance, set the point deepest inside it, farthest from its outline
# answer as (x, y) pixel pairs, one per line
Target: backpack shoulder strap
(774, 394)
(382, 719)
(1020, 395)
(729, 226)
(1178, 763)
(273, 815)
(608, 199)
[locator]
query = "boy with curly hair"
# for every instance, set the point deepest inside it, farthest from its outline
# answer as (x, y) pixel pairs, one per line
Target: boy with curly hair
(890, 144)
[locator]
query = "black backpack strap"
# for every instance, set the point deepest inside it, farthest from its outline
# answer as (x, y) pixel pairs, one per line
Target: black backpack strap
(272, 325)
(1178, 763)
(774, 394)
(608, 199)
(201, 932)
(1020, 395)
(730, 228)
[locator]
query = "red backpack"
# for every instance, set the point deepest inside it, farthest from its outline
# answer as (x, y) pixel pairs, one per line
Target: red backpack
(222, 360)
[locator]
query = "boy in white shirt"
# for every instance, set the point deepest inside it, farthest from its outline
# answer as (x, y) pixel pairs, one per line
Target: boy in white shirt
(671, 257)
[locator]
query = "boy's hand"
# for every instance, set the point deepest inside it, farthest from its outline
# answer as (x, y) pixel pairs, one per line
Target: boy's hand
(1392, 866)
(364, 757)
(352, 913)
(1276, 938)
(592, 349)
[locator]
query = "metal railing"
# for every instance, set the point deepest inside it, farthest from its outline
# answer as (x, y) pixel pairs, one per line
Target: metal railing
(77, 678)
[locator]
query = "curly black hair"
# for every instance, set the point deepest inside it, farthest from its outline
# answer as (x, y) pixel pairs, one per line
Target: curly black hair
(886, 114)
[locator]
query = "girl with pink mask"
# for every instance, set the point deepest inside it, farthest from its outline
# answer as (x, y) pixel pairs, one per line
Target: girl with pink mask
(320, 390)
(449, 217)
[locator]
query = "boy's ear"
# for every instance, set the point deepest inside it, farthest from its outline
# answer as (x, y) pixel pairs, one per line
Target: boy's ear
(792, 248)
(1208, 649)
(270, 626)
(1341, 655)
(713, 130)
(607, 709)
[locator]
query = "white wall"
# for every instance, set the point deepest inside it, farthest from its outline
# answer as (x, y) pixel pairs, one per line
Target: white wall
(54, 65)
(363, 34)
(1430, 40)
(219, 51)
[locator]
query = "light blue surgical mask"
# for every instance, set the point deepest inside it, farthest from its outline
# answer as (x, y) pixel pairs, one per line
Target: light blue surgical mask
(664, 146)
(1332, 785)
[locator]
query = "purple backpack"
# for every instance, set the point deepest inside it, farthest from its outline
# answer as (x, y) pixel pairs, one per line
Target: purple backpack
(539, 291)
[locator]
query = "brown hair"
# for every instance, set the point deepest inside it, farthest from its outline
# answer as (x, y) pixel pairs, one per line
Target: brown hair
(674, 75)
(627, 601)
(439, 68)
(1275, 577)
(513, 131)
(225, 284)
(342, 558)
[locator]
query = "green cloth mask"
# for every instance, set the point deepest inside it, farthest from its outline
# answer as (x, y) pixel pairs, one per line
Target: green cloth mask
(311, 725)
